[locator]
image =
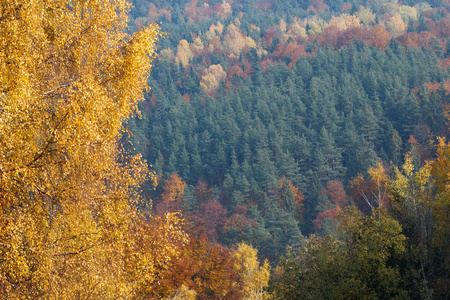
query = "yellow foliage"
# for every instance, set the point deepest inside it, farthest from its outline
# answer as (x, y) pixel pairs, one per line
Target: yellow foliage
(174, 189)
(366, 16)
(184, 53)
(396, 26)
(183, 293)
(214, 30)
(255, 277)
(70, 76)
(412, 184)
(237, 22)
(197, 46)
(378, 175)
(226, 7)
(441, 205)
(344, 21)
(297, 28)
(260, 50)
(234, 41)
(212, 77)
(249, 42)
(282, 26)
(218, 28)
(408, 13)
(316, 25)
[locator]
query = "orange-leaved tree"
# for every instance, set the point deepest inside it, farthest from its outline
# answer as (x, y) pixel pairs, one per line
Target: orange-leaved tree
(70, 76)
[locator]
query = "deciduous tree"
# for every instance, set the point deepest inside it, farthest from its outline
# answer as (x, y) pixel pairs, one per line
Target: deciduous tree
(70, 76)
(255, 277)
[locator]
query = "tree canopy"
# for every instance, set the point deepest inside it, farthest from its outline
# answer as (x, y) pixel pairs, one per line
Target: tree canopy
(70, 75)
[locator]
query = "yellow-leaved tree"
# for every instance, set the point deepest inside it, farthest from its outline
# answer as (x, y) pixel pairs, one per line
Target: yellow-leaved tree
(255, 278)
(70, 75)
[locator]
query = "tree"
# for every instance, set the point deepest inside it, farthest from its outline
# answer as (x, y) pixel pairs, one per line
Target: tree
(372, 192)
(291, 199)
(184, 53)
(441, 212)
(213, 76)
(359, 265)
(255, 278)
(396, 26)
(337, 200)
(173, 194)
(70, 76)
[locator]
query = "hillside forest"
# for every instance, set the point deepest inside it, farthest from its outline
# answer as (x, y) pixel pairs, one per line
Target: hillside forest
(224, 149)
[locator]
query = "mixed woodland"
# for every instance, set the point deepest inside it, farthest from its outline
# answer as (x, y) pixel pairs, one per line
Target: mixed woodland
(269, 121)
(281, 149)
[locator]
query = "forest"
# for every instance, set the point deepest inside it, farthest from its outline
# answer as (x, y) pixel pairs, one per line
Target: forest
(229, 149)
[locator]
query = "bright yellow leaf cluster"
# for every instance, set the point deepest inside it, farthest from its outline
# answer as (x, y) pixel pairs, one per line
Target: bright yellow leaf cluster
(255, 277)
(70, 76)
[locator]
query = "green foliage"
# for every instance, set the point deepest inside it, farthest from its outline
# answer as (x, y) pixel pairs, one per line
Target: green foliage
(248, 92)
(360, 264)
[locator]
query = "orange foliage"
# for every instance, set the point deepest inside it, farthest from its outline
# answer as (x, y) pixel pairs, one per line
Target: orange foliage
(263, 6)
(173, 192)
(444, 64)
(432, 26)
(298, 197)
(153, 100)
(331, 214)
(270, 35)
(203, 192)
(247, 68)
(418, 40)
(196, 13)
(443, 29)
(215, 277)
(337, 38)
(359, 33)
(432, 86)
(191, 9)
(292, 50)
(237, 222)
(318, 5)
(223, 9)
(210, 218)
(154, 13)
(409, 39)
(234, 70)
(372, 192)
(149, 238)
(265, 63)
(346, 7)
(329, 36)
(426, 148)
(334, 190)
(173, 189)
(447, 86)
(204, 268)
(380, 38)
(187, 98)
